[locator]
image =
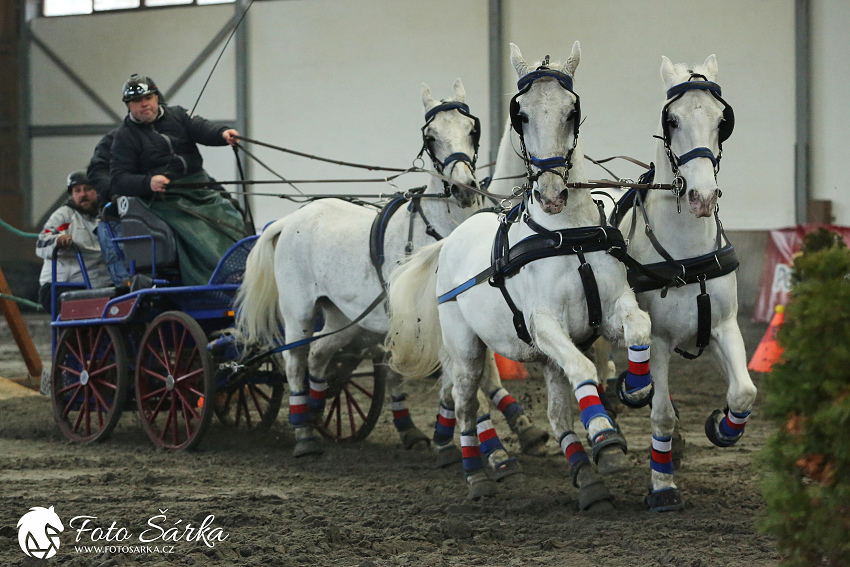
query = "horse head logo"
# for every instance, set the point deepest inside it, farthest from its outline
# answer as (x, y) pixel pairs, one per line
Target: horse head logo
(38, 532)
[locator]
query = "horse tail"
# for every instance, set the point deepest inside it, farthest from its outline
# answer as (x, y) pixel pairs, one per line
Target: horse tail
(415, 337)
(258, 317)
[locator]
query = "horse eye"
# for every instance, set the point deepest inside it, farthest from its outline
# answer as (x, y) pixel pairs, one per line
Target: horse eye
(523, 118)
(571, 115)
(672, 122)
(430, 139)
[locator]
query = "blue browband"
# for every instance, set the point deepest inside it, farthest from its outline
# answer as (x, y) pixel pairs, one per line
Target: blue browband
(463, 108)
(565, 80)
(691, 86)
(548, 164)
(698, 153)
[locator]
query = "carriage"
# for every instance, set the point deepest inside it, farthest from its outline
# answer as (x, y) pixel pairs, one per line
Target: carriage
(158, 347)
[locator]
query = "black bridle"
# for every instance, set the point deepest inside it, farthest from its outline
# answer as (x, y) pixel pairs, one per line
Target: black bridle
(551, 164)
(725, 130)
(442, 166)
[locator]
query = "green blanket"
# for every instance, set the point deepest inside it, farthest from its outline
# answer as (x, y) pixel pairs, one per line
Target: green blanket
(205, 225)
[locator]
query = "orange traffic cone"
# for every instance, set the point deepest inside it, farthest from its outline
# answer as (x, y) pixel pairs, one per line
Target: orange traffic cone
(510, 369)
(768, 352)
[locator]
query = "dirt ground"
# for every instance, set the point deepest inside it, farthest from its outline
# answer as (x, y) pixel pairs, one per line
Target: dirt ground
(375, 504)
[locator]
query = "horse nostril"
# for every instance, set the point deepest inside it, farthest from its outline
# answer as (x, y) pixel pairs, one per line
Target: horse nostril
(564, 195)
(693, 195)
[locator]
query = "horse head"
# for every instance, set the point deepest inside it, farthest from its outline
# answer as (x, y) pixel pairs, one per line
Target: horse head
(694, 123)
(546, 115)
(450, 137)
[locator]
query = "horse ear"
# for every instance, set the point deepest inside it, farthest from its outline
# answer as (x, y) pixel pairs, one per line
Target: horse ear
(518, 62)
(460, 92)
(668, 72)
(427, 99)
(710, 67)
(573, 61)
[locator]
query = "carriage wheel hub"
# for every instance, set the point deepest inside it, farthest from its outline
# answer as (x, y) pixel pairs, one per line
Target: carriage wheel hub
(169, 382)
(84, 377)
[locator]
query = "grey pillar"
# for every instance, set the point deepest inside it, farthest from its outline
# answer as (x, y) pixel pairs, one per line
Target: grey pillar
(802, 67)
(496, 47)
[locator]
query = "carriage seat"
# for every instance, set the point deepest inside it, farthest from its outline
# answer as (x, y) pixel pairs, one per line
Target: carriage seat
(138, 220)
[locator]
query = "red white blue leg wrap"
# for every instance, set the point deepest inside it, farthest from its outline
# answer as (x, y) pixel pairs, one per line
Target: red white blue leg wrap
(733, 424)
(589, 403)
(401, 413)
(487, 436)
(573, 450)
(638, 376)
(506, 403)
(444, 430)
(299, 409)
(471, 450)
(318, 387)
(661, 457)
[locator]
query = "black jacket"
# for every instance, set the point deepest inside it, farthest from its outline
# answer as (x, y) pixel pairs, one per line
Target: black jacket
(166, 146)
(98, 170)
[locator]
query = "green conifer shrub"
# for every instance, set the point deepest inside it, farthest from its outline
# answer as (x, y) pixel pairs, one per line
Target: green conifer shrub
(806, 484)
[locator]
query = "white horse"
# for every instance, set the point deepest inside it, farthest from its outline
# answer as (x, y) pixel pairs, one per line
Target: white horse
(551, 309)
(318, 260)
(688, 249)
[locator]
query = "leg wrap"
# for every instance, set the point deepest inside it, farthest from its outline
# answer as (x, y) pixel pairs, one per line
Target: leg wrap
(574, 452)
(401, 413)
(635, 386)
(661, 458)
(506, 403)
(487, 436)
(472, 462)
(606, 403)
(589, 403)
(444, 430)
(299, 409)
(317, 394)
(733, 424)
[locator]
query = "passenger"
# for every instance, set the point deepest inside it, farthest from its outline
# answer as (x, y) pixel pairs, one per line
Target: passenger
(73, 223)
(157, 145)
(110, 225)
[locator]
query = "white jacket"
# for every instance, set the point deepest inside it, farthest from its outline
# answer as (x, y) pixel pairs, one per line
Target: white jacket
(81, 227)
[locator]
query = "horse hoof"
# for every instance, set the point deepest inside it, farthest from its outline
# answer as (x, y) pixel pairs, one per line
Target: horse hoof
(612, 460)
(605, 439)
(665, 500)
(712, 430)
(505, 469)
(533, 440)
(308, 446)
(480, 486)
(447, 455)
(412, 437)
(594, 495)
(636, 400)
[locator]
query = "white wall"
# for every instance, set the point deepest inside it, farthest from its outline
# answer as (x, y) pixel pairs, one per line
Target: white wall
(622, 94)
(830, 112)
(343, 80)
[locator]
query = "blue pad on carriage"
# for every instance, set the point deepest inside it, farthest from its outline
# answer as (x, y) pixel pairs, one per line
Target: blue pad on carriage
(138, 220)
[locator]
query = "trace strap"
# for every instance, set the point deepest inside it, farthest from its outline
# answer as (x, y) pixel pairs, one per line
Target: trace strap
(289, 346)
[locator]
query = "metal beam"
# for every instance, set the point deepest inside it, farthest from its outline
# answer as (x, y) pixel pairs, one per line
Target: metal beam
(24, 118)
(202, 57)
(78, 81)
(495, 49)
(71, 130)
(243, 75)
(802, 67)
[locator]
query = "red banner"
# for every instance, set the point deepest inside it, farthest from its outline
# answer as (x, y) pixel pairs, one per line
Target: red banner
(775, 283)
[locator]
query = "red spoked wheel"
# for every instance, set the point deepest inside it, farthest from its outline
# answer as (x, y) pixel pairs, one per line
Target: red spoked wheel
(174, 380)
(89, 382)
(354, 398)
(253, 399)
